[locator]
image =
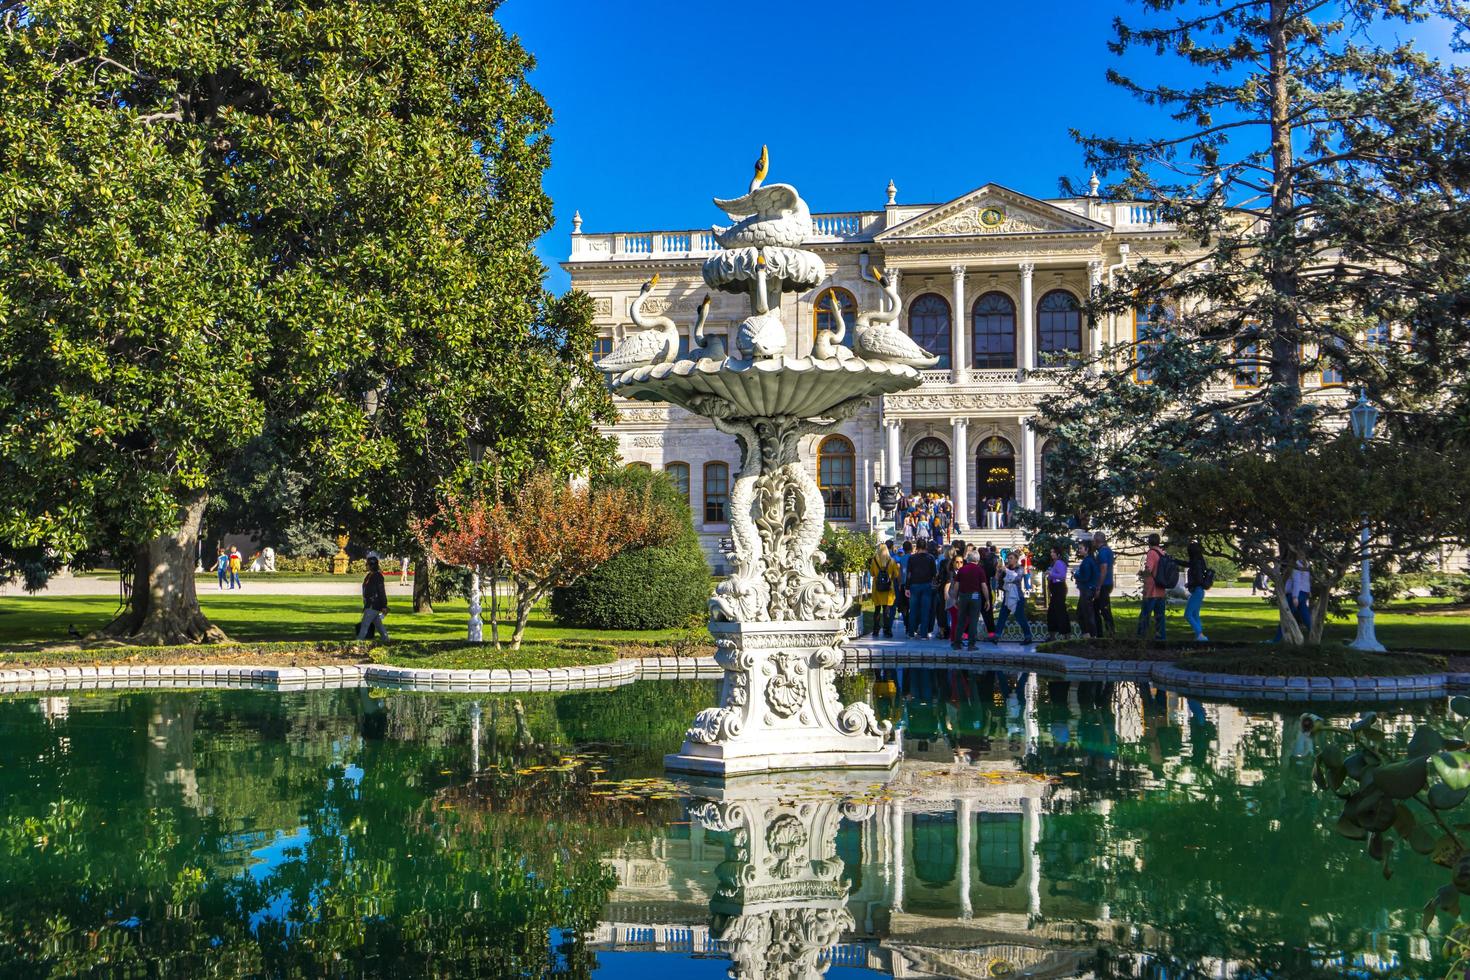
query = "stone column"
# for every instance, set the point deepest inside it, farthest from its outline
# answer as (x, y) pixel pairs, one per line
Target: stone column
(963, 820)
(895, 467)
(959, 472)
(1028, 319)
(1028, 465)
(1031, 819)
(895, 814)
(1094, 329)
(959, 363)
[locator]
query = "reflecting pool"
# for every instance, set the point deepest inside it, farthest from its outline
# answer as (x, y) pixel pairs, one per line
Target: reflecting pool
(1035, 828)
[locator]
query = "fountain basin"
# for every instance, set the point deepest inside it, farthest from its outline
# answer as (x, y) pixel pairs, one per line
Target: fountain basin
(796, 387)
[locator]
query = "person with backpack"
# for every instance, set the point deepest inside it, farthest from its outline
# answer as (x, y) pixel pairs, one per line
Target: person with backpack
(887, 577)
(1013, 601)
(1157, 569)
(1198, 578)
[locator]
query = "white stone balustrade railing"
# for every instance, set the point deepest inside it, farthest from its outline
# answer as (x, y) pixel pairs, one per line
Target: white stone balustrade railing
(1133, 217)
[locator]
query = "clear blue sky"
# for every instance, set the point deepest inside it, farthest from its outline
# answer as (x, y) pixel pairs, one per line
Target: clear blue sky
(661, 105)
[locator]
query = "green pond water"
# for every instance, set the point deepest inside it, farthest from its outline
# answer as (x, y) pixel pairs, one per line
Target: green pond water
(1035, 828)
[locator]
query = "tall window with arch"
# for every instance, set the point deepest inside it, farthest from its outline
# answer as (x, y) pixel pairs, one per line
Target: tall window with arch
(929, 466)
(822, 312)
(993, 331)
(716, 493)
(837, 477)
(929, 325)
(1058, 328)
(1150, 324)
(679, 474)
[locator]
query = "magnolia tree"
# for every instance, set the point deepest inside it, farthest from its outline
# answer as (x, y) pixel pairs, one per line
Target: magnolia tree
(546, 535)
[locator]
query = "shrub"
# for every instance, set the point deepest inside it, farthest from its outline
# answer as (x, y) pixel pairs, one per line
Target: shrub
(649, 588)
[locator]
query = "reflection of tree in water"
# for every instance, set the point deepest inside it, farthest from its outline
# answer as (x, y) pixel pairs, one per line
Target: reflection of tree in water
(359, 857)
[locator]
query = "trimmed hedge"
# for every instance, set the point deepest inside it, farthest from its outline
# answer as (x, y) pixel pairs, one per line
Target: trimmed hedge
(651, 588)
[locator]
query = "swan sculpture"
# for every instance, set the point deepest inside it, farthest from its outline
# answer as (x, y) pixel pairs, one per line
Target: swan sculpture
(761, 334)
(771, 215)
(657, 344)
(700, 346)
(828, 344)
(877, 339)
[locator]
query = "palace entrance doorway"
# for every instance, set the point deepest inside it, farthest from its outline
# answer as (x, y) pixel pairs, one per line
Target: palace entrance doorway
(995, 481)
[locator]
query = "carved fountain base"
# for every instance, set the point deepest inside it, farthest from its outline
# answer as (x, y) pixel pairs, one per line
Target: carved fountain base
(779, 708)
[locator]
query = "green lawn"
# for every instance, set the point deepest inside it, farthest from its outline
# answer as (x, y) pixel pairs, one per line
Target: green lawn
(246, 617)
(1415, 624)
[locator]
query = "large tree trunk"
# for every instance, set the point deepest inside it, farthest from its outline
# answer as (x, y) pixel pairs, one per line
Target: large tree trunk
(1291, 630)
(423, 581)
(1285, 393)
(163, 608)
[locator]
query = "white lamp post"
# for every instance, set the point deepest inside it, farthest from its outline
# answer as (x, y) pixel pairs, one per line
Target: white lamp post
(1363, 417)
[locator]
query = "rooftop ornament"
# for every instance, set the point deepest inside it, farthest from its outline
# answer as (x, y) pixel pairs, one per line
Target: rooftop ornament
(777, 622)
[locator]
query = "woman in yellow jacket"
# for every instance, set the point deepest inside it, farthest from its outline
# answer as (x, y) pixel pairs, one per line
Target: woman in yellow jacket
(887, 580)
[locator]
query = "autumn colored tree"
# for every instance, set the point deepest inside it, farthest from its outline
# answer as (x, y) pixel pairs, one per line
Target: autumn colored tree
(546, 535)
(470, 533)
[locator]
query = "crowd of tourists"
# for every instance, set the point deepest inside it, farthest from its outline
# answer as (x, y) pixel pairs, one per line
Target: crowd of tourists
(951, 591)
(924, 517)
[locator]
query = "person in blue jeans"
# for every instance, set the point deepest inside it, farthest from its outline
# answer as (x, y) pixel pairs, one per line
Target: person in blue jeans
(222, 567)
(1154, 594)
(1014, 601)
(920, 572)
(1195, 582)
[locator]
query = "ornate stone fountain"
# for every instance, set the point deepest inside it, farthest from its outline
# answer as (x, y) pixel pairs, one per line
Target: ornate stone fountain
(776, 621)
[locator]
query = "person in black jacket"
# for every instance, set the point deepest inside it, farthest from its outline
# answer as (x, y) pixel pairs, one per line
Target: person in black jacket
(1196, 582)
(374, 600)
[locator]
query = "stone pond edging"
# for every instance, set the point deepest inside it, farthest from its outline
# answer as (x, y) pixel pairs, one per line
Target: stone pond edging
(1166, 675)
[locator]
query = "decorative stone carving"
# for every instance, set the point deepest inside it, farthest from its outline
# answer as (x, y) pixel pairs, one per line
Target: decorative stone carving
(780, 903)
(648, 442)
(602, 306)
(769, 402)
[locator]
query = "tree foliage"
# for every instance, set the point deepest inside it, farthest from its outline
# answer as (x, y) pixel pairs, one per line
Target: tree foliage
(1317, 181)
(1309, 505)
(546, 535)
(657, 587)
(221, 217)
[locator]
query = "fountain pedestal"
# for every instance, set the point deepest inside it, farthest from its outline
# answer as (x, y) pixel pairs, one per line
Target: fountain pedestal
(779, 708)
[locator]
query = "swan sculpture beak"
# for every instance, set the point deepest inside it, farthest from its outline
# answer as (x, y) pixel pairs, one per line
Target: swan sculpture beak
(877, 274)
(704, 303)
(763, 164)
(654, 281)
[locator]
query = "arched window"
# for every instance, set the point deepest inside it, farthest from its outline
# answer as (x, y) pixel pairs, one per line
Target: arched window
(993, 331)
(995, 469)
(930, 467)
(716, 493)
(1149, 326)
(1058, 327)
(640, 465)
(822, 313)
(836, 475)
(936, 847)
(679, 473)
(929, 325)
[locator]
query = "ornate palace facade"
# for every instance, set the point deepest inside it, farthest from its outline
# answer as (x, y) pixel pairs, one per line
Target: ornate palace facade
(991, 281)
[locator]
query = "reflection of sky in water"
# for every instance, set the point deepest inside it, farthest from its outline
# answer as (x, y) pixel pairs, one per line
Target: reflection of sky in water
(285, 847)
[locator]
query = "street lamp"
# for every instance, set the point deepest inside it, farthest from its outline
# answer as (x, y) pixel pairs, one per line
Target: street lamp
(1363, 417)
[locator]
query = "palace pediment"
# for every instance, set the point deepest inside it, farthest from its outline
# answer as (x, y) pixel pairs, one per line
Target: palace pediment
(992, 210)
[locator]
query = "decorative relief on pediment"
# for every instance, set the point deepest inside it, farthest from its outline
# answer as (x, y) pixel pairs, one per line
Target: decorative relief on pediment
(960, 402)
(990, 218)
